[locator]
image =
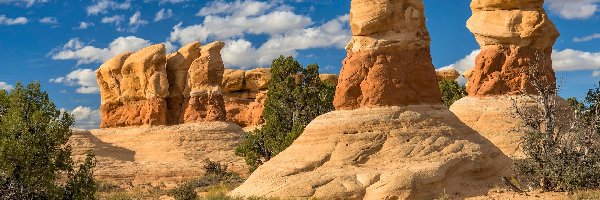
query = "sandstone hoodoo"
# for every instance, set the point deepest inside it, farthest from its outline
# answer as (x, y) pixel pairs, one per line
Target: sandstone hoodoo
(388, 139)
(516, 39)
(149, 87)
(387, 56)
(447, 74)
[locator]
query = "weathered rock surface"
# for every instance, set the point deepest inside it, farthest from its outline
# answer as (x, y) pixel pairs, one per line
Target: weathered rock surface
(388, 61)
(516, 38)
(155, 155)
(205, 101)
(447, 74)
(150, 88)
(133, 88)
(412, 152)
(496, 118)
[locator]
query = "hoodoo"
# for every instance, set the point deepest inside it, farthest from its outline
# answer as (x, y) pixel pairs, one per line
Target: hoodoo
(390, 137)
(516, 39)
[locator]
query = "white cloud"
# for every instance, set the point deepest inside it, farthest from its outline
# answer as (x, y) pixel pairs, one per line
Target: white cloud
(573, 60)
(237, 8)
(596, 74)
(5, 86)
(241, 53)
(102, 6)
(163, 14)
(86, 118)
(587, 38)
(49, 20)
(12, 21)
(27, 3)
(84, 25)
(465, 63)
(84, 79)
(171, 1)
(116, 19)
(75, 50)
(574, 9)
(135, 21)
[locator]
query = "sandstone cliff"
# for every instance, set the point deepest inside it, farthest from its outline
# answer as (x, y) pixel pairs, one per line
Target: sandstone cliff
(149, 87)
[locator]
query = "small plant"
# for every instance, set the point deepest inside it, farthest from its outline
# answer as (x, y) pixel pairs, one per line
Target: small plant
(451, 91)
(560, 156)
(216, 174)
(443, 196)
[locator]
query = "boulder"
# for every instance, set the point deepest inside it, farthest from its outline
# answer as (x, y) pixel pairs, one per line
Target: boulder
(410, 152)
(233, 80)
(109, 78)
(329, 78)
(388, 59)
(447, 74)
(257, 79)
(516, 39)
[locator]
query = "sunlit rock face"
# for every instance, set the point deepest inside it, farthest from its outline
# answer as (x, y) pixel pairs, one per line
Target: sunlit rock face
(388, 61)
(516, 38)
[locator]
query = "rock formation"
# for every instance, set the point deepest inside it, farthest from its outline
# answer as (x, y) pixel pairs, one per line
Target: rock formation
(134, 87)
(388, 55)
(389, 138)
(516, 38)
(158, 155)
(149, 87)
(447, 74)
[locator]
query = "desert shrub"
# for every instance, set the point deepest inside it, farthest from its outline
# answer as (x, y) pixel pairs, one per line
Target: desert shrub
(216, 174)
(560, 156)
(296, 96)
(35, 160)
(451, 91)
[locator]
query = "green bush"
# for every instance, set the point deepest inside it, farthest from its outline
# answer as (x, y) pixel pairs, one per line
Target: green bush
(561, 158)
(216, 174)
(296, 96)
(451, 91)
(35, 160)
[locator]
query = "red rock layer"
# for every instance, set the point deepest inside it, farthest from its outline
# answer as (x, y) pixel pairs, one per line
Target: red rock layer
(134, 113)
(205, 108)
(503, 70)
(387, 77)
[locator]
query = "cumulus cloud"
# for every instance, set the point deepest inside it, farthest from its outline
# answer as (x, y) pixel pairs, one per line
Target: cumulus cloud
(574, 9)
(287, 31)
(596, 74)
(116, 19)
(85, 54)
(49, 20)
(103, 6)
(163, 14)
(465, 63)
(27, 3)
(84, 79)
(573, 60)
(12, 21)
(86, 118)
(587, 38)
(84, 25)
(5, 86)
(135, 21)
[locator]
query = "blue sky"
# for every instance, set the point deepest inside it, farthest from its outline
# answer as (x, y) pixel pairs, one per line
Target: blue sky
(61, 42)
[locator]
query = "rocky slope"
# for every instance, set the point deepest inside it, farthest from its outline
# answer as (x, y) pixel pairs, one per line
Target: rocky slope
(159, 154)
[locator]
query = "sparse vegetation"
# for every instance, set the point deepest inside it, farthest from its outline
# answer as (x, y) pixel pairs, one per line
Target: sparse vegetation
(296, 96)
(35, 160)
(451, 91)
(560, 156)
(216, 175)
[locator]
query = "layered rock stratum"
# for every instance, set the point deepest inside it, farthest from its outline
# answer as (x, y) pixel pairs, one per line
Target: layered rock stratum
(389, 138)
(149, 87)
(388, 55)
(516, 39)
